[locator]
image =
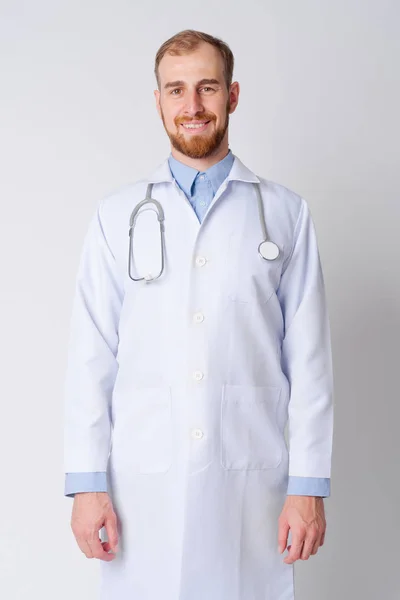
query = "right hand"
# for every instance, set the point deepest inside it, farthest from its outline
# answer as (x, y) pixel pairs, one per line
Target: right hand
(92, 511)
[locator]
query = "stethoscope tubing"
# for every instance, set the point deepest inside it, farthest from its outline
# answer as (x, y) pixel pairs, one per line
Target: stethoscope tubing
(160, 217)
(271, 250)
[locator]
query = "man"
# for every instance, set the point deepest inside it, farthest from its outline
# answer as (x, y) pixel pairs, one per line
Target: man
(183, 373)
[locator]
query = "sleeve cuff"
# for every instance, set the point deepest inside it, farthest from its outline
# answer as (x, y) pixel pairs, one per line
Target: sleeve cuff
(85, 482)
(309, 486)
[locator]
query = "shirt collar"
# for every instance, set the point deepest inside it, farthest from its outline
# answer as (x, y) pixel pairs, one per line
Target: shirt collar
(185, 175)
(238, 172)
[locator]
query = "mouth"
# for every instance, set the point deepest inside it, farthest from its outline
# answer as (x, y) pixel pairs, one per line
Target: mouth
(194, 127)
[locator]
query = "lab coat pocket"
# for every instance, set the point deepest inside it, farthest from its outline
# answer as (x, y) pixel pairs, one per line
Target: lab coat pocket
(250, 435)
(142, 434)
(251, 278)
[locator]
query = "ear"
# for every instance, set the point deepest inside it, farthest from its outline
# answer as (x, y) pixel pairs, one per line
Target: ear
(234, 96)
(157, 98)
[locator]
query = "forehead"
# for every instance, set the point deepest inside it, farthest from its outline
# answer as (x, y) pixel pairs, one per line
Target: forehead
(205, 62)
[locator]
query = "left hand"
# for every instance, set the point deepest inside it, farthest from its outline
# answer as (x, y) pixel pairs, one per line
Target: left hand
(305, 517)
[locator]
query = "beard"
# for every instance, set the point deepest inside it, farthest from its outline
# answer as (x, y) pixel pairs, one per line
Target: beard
(202, 145)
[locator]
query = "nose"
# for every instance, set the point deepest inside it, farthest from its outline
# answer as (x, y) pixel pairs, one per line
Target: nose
(193, 103)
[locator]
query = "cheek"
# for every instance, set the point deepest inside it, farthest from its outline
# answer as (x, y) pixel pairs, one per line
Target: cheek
(170, 113)
(219, 113)
(175, 115)
(170, 120)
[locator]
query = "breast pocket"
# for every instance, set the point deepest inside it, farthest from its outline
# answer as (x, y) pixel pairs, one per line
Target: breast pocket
(250, 435)
(251, 278)
(142, 433)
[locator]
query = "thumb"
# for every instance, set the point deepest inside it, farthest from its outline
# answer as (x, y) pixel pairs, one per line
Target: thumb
(283, 532)
(110, 524)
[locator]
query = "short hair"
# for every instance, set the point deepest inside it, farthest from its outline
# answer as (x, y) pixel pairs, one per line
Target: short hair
(188, 41)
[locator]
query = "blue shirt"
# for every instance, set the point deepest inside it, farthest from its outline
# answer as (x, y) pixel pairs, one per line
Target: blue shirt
(200, 188)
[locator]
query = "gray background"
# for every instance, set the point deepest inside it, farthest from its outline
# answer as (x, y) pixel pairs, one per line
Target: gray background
(318, 112)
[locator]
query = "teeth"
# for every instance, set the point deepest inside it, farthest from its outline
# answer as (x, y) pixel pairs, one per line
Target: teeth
(194, 126)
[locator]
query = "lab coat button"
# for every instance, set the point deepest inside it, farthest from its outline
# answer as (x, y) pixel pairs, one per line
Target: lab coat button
(200, 261)
(197, 434)
(198, 375)
(198, 317)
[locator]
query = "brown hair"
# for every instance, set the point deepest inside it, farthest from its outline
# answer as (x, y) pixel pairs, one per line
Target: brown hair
(188, 41)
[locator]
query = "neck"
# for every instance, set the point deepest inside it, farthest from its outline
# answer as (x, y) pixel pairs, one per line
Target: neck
(202, 164)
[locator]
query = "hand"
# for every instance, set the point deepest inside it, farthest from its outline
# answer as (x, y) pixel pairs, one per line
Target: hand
(91, 511)
(305, 517)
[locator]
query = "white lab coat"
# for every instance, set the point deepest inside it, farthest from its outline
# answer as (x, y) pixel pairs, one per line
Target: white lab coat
(181, 388)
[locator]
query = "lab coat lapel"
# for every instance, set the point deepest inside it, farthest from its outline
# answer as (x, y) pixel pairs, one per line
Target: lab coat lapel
(238, 172)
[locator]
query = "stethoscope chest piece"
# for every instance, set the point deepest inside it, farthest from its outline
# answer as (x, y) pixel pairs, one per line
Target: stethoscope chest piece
(268, 250)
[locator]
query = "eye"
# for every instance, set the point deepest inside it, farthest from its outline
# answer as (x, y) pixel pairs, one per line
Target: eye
(208, 88)
(175, 90)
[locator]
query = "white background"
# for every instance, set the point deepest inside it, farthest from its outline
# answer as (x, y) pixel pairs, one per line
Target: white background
(318, 113)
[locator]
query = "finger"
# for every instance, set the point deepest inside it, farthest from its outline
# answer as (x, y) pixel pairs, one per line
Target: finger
(288, 560)
(110, 525)
(322, 538)
(98, 550)
(316, 545)
(84, 546)
(107, 547)
(296, 546)
(308, 546)
(283, 531)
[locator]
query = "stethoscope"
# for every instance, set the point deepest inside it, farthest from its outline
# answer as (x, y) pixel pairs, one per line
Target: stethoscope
(266, 248)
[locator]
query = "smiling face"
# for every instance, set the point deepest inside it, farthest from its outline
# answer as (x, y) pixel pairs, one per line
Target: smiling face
(194, 104)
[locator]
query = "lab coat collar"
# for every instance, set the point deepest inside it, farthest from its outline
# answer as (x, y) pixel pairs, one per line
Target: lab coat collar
(238, 172)
(216, 174)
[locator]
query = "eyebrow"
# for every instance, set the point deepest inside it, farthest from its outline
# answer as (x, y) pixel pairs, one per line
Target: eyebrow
(180, 83)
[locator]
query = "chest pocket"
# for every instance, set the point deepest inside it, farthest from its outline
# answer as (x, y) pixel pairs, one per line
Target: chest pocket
(251, 278)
